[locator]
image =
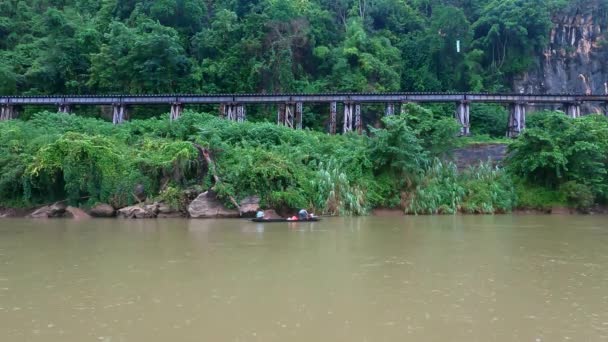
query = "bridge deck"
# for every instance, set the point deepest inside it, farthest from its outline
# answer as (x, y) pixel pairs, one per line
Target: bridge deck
(304, 98)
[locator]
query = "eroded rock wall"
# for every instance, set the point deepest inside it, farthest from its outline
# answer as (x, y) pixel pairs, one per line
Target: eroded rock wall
(576, 58)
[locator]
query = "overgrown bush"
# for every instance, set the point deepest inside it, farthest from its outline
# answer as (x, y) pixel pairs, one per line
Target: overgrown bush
(482, 189)
(84, 160)
(556, 149)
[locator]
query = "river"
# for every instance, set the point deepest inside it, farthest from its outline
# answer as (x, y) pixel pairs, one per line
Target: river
(453, 278)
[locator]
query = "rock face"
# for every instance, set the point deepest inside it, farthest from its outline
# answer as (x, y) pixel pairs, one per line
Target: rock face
(206, 205)
(250, 205)
(50, 211)
(102, 210)
(575, 58)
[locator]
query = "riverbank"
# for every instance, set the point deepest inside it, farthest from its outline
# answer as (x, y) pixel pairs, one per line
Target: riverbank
(162, 211)
(415, 162)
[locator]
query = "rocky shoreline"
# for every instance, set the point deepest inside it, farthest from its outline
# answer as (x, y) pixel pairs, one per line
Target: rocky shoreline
(204, 205)
(207, 206)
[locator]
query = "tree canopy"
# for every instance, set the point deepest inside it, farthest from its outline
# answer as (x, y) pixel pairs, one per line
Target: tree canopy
(145, 46)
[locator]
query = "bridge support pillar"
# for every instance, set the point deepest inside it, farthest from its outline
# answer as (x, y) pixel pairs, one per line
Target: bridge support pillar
(7, 112)
(290, 115)
(299, 112)
(358, 119)
(333, 117)
(389, 109)
(462, 115)
(64, 108)
(176, 111)
(348, 117)
(233, 111)
(119, 113)
(352, 117)
(517, 119)
(573, 110)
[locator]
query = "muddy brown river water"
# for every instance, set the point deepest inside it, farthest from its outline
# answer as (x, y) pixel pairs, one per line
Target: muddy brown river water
(462, 278)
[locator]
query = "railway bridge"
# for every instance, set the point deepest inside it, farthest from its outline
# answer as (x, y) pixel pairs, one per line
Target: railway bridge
(290, 106)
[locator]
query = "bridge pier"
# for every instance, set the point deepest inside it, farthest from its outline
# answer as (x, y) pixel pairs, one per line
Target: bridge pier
(233, 111)
(333, 117)
(352, 117)
(572, 109)
(389, 109)
(64, 108)
(119, 113)
(517, 119)
(290, 115)
(462, 115)
(7, 112)
(176, 111)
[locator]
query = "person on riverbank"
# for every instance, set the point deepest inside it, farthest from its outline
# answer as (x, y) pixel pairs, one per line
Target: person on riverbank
(260, 214)
(303, 215)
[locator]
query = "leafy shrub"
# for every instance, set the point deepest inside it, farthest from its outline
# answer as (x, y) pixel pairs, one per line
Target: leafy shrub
(438, 192)
(577, 195)
(557, 149)
(488, 190)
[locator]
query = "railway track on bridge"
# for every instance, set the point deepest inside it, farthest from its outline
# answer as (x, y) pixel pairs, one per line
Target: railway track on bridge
(289, 106)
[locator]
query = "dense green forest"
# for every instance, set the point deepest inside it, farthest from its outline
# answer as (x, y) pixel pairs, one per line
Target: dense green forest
(164, 46)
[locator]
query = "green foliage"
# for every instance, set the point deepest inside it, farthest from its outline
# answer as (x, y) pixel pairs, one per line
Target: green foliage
(479, 190)
(489, 190)
(144, 46)
(334, 193)
(556, 149)
(489, 119)
(88, 166)
(439, 192)
(578, 195)
(532, 196)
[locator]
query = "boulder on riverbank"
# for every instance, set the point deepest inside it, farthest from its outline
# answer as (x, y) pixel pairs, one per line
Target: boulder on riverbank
(249, 206)
(206, 205)
(102, 210)
(138, 212)
(166, 211)
(50, 211)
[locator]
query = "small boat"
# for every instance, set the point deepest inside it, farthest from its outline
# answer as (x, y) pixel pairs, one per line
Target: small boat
(313, 219)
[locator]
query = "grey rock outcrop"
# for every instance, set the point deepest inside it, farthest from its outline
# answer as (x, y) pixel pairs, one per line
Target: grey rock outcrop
(574, 61)
(206, 205)
(50, 211)
(139, 212)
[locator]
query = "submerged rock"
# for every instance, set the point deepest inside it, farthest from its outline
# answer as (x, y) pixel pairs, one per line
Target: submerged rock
(102, 210)
(206, 205)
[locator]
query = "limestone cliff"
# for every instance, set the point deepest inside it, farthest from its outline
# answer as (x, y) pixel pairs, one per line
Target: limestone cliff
(576, 58)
